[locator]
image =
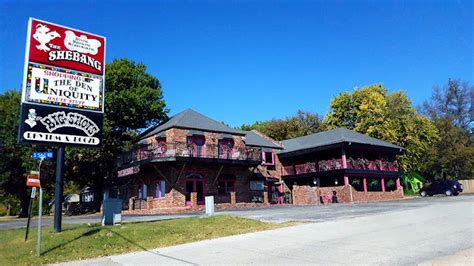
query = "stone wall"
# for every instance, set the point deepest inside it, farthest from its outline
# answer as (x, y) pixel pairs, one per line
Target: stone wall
(306, 195)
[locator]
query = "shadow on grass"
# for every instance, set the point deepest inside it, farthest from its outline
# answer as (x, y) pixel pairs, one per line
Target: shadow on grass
(149, 251)
(88, 233)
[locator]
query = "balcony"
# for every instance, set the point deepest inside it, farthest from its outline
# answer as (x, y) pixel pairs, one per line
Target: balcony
(181, 150)
(336, 164)
(377, 165)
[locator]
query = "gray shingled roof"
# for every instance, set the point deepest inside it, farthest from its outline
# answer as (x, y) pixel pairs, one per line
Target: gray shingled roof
(191, 119)
(338, 135)
(254, 139)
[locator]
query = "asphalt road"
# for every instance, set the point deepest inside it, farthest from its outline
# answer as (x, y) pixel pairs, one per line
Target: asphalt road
(275, 214)
(393, 233)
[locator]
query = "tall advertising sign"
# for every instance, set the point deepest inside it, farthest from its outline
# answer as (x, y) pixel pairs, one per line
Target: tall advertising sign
(63, 86)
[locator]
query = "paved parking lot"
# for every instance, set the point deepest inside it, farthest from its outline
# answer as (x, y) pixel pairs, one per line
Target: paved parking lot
(433, 231)
(275, 214)
(318, 213)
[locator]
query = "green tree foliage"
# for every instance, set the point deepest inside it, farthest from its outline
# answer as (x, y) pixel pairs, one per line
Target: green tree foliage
(450, 108)
(133, 101)
(453, 102)
(301, 124)
(373, 111)
(15, 159)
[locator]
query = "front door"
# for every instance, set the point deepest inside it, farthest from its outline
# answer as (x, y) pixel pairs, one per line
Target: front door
(195, 183)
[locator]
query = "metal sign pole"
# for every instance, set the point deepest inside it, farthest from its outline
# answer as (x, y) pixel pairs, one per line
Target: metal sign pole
(33, 192)
(40, 210)
(58, 191)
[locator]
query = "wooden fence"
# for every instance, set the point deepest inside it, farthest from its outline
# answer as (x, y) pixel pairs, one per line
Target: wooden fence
(468, 185)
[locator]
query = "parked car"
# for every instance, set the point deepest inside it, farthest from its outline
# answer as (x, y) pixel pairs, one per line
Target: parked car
(448, 187)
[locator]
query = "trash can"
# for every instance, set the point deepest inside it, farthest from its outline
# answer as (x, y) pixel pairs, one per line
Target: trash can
(112, 212)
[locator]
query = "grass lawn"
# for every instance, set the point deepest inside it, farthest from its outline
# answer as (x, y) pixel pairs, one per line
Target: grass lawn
(87, 241)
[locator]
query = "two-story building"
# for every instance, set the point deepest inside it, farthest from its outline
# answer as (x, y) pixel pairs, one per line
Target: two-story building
(340, 160)
(173, 167)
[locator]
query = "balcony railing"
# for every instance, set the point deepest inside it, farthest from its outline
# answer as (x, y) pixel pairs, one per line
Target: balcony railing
(335, 164)
(181, 149)
(378, 165)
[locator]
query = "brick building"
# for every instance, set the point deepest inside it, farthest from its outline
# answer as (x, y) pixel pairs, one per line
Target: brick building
(355, 166)
(175, 165)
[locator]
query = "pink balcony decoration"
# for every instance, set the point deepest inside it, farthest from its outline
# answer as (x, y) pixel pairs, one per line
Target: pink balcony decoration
(350, 163)
(372, 165)
(379, 165)
(310, 167)
(289, 170)
(300, 169)
(323, 165)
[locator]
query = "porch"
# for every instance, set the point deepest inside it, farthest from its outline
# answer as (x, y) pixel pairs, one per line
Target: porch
(182, 151)
(173, 187)
(336, 164)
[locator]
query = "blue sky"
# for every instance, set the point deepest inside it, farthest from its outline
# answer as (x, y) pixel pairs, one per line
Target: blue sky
(241, 61)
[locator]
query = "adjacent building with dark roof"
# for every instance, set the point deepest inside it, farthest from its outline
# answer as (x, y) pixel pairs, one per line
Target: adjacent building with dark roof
(175, 165)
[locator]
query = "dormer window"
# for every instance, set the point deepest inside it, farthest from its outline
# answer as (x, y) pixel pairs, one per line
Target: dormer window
(195, 146)
(226, 147)
(268, 158)
(160, 145)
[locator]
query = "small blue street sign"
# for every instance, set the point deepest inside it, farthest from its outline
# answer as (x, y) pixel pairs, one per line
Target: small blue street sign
(44, 155)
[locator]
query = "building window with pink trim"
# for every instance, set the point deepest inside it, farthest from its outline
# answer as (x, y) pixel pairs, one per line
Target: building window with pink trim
(226, 147)
(195, 146)
(160, 189)
(142, 191)
(268, 158)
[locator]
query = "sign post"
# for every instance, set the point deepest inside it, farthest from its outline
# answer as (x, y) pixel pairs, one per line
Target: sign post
(40, 211)
(58, 190)
(33, 195)
(62, 100)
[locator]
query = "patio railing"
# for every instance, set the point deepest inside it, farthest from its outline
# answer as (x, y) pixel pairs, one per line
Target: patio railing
(335, 164)
(165, 150)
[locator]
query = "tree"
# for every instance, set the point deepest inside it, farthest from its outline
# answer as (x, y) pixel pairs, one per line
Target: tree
(15, 159)
(301, 124)
(133, 101)
(453, 102)
(373, 111)
(450, 108)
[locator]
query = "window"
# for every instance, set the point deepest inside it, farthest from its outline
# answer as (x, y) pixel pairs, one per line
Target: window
(268, 158)
(195, 145)
(225, 148)
(160, 147)
(225, 184)
(160, 189)
(257, 185)
(142, 191)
